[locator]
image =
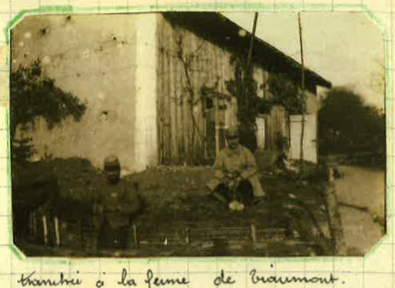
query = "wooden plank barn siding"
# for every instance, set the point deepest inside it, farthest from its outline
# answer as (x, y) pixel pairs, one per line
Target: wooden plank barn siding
(209, 67)
(201, 46)
(277, 124)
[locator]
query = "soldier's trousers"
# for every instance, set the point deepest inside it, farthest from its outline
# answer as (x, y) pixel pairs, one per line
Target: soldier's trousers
(112, 238)
(244, 192)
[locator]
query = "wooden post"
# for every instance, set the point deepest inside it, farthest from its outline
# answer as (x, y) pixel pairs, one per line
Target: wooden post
(187, 236)
(301, 156)
(57, 233)
(333, 215)
(45, 229)
(253, 232)
(135, 237)
(247, 68)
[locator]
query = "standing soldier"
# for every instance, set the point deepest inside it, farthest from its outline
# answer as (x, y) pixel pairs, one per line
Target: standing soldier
(116, 204)
(235, 178)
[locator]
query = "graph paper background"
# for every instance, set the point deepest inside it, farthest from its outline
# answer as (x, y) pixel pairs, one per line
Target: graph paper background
(374, 270)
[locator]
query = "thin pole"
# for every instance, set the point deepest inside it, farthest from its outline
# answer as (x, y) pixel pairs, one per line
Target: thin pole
(57, 233)
(188, 236)
(135, 237)
(45, 229)
(247, 69)
(253, 232)
(303, 90)
(384, 76)
(252, 41)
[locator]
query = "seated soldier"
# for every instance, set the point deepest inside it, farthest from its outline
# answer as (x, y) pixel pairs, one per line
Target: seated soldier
(116, 204)
(235, 181)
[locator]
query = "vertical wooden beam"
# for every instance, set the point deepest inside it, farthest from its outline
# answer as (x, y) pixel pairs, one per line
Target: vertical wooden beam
(172, 98)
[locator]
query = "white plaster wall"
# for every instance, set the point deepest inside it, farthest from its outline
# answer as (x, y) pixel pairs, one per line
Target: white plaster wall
(312, 103)
(109, 62)
(146, 139)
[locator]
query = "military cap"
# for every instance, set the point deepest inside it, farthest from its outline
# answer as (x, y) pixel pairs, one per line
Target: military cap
(232, 133)
(111, 161)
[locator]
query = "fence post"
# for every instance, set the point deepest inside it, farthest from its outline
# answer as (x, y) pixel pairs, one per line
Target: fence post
(188, 236)
(253, 232)
(57, 232)
(45, 229)
(135, 237)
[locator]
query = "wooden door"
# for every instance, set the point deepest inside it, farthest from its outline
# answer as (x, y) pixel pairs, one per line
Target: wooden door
(260, 132)
(309, 140)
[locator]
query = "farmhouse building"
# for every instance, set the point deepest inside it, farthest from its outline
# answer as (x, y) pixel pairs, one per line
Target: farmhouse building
(155, 86)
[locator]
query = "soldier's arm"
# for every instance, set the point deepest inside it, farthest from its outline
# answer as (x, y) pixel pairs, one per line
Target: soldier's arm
(250, 168)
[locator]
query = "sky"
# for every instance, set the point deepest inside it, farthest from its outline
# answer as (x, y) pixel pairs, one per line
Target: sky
(345, 48)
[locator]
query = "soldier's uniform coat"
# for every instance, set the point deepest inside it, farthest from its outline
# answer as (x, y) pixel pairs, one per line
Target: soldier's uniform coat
(239, 160)
(119, 202)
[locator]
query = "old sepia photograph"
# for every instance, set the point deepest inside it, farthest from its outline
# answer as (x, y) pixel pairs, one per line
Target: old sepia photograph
(175, 134)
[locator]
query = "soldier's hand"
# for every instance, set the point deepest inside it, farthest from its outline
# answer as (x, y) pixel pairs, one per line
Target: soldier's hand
(232, 184)
(231, 175)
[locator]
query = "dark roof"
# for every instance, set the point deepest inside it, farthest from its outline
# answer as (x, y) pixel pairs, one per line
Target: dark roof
(220, 30)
